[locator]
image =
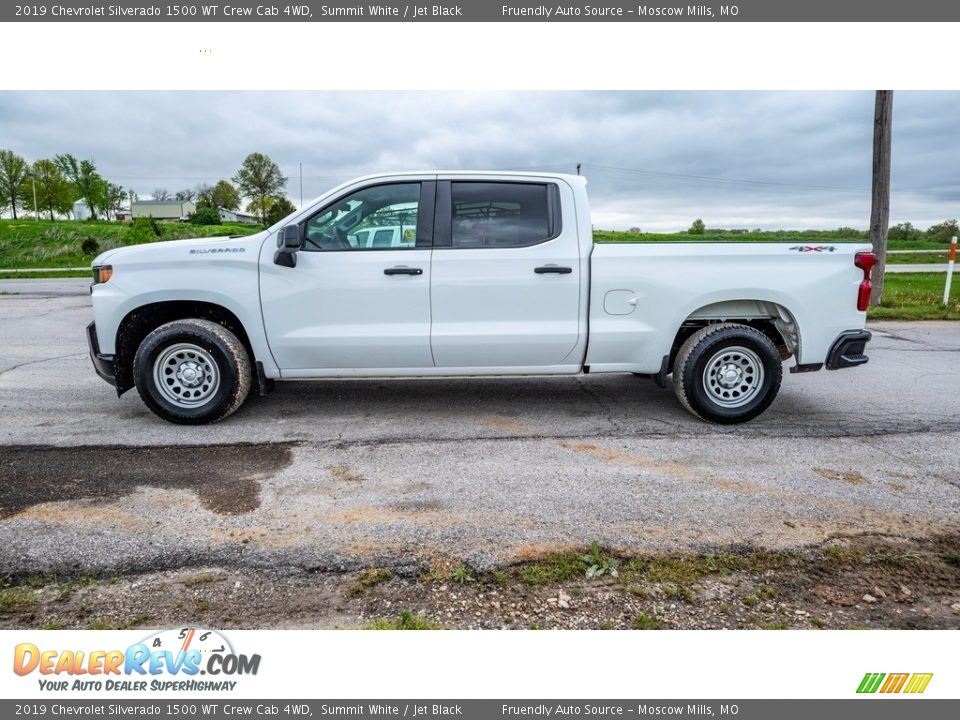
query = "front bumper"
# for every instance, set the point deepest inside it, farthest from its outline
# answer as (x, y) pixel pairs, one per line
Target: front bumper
(103, 364)
(848, 350)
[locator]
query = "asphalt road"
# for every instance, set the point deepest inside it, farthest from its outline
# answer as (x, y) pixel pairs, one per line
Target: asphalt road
(338, 474)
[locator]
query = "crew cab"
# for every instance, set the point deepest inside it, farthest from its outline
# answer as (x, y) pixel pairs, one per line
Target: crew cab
(469, 274)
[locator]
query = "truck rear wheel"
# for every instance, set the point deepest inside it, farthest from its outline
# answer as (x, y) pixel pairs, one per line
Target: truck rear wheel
(192, 372)
(727, 373)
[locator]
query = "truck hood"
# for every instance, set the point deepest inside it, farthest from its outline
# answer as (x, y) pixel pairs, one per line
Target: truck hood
(194, 248)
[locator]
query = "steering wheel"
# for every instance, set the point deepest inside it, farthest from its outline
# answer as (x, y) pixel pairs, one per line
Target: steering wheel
(340, 236)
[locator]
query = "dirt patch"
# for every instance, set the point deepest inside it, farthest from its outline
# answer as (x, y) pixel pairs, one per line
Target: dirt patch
(507, 425)
(226, 478)
(853, 583)
(853, 478)
(671, 468)
(343, 472)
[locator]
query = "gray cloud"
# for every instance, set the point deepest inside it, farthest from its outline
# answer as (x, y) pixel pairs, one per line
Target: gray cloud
(654, 160)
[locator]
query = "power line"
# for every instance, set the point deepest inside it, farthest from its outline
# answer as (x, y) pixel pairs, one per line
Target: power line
(759, 183)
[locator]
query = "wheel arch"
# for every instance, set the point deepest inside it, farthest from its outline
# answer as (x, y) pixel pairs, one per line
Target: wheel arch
(770, 317)
(144, 319)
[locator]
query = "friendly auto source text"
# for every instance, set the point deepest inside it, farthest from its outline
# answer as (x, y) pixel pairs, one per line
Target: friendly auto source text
(651, 11)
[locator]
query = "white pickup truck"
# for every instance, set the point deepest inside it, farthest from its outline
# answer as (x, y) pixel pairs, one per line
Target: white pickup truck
(468, 274)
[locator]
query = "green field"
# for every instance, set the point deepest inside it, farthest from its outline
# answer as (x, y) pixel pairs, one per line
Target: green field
(917, 296)
(27, 243)
(918, 258)
(805, 237)
(44, 244)
(31, 244)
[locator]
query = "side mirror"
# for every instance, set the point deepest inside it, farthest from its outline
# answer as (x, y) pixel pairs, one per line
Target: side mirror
(288, 244)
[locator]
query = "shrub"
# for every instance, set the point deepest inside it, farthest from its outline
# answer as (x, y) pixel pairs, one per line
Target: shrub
(205, 216)
(142, 230)
(89, 246)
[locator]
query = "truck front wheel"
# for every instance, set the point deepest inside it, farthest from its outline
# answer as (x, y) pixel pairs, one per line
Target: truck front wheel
(727, 373)
(192, 372)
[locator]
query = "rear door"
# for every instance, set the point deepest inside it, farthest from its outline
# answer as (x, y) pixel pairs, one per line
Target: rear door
(506, 275)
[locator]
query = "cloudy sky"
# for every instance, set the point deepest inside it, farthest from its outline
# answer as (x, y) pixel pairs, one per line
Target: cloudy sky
(654, 160)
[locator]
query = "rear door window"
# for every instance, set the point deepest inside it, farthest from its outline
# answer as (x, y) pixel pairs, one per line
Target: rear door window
(503, 214)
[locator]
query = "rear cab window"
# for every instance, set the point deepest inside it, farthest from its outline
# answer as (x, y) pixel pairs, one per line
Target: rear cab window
(503, 214)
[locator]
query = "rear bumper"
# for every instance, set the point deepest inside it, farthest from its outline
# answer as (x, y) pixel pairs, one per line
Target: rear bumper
(848, 350)
(102, 364)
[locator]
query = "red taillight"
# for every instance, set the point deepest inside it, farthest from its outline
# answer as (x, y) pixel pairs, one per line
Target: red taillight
(865, 261)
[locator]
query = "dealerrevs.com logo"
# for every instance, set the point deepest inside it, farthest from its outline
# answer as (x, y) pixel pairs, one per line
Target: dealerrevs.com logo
(910, 683)
(172, 659)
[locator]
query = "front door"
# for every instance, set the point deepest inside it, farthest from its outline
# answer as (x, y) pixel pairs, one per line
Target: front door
(359, 296)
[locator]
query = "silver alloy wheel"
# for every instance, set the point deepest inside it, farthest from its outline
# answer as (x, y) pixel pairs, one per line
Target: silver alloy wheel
(186, 375)
(733, 376)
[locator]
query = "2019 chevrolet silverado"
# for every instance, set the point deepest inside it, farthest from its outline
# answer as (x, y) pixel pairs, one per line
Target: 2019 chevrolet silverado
(468, 274)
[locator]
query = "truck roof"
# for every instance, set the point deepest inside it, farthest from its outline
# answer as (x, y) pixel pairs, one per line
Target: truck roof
(471, 173)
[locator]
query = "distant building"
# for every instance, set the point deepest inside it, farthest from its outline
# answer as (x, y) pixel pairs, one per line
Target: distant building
(163, 209)
(235, 216)
(81, 211)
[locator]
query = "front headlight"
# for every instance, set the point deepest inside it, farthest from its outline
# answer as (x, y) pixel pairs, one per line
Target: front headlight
(102, 274)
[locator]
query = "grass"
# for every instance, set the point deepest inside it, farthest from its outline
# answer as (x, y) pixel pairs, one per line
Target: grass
(17, 599)
(138, 620)
(621, 236)
(844, 555)
(952, 558)
(461, 575)
(45, 244)
(405, 621)
(598, 563)
(27, 243)
(646, 621)
(202, 579)
(369, 578)
(918, 258)
(556, 567)
(806, 236)
(917, 296)
(42, 276)
(767, 593)
(102, 624)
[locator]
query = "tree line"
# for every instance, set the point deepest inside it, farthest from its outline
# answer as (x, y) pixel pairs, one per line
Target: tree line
(53, 185)
(941, 232)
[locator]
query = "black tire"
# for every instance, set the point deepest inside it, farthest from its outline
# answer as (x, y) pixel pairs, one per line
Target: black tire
(210, 357)
(738, 385)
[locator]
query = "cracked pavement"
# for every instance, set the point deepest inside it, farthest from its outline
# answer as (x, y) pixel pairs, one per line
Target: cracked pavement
(345, 473)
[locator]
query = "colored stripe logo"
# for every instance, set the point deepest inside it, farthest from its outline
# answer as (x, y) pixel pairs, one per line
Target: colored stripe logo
(914, 683)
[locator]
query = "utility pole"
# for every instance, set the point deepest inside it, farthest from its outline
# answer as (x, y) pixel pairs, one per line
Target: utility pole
(36, 210)
(880, 201)
(578, 168)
